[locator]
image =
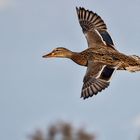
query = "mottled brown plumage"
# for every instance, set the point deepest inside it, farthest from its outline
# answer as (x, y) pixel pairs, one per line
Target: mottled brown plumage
(101, 58)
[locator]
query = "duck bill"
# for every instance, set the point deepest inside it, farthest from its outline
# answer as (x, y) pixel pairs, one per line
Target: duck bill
(48, 55)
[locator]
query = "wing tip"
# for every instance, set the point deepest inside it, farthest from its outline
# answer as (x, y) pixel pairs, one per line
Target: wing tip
(91, 18)
(88, 92)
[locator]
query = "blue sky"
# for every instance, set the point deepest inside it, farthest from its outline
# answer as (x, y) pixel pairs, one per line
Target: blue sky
(35, 92)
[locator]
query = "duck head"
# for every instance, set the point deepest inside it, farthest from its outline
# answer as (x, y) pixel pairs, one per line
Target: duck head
(59, 52)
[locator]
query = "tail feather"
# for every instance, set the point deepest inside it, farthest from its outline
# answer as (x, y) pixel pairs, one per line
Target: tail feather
(136, 57)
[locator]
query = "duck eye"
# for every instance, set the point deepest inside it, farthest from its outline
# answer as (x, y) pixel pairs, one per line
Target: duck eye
(58, 50)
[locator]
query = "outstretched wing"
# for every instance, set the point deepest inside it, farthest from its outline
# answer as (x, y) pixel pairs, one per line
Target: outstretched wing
(98, 75)
(97, 78)
(94, 28)
(92, 25)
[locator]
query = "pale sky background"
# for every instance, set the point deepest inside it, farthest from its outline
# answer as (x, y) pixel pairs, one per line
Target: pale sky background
(35, 92)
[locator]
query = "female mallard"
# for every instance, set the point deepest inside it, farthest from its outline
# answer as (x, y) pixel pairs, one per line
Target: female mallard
(101, 58)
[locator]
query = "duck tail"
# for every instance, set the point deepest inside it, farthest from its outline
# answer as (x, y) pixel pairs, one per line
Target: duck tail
(136, 57)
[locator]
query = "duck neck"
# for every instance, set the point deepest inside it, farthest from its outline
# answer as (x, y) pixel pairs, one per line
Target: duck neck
(79, 58)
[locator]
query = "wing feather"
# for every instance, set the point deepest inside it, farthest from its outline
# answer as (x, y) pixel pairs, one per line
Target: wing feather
(96, 79)
(94, 28)
(88, 17)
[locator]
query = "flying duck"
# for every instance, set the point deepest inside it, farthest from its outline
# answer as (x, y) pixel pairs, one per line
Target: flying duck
(101, 57)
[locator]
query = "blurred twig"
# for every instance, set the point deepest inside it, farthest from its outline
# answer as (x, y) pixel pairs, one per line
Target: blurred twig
(65, 130)
(38, 135)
